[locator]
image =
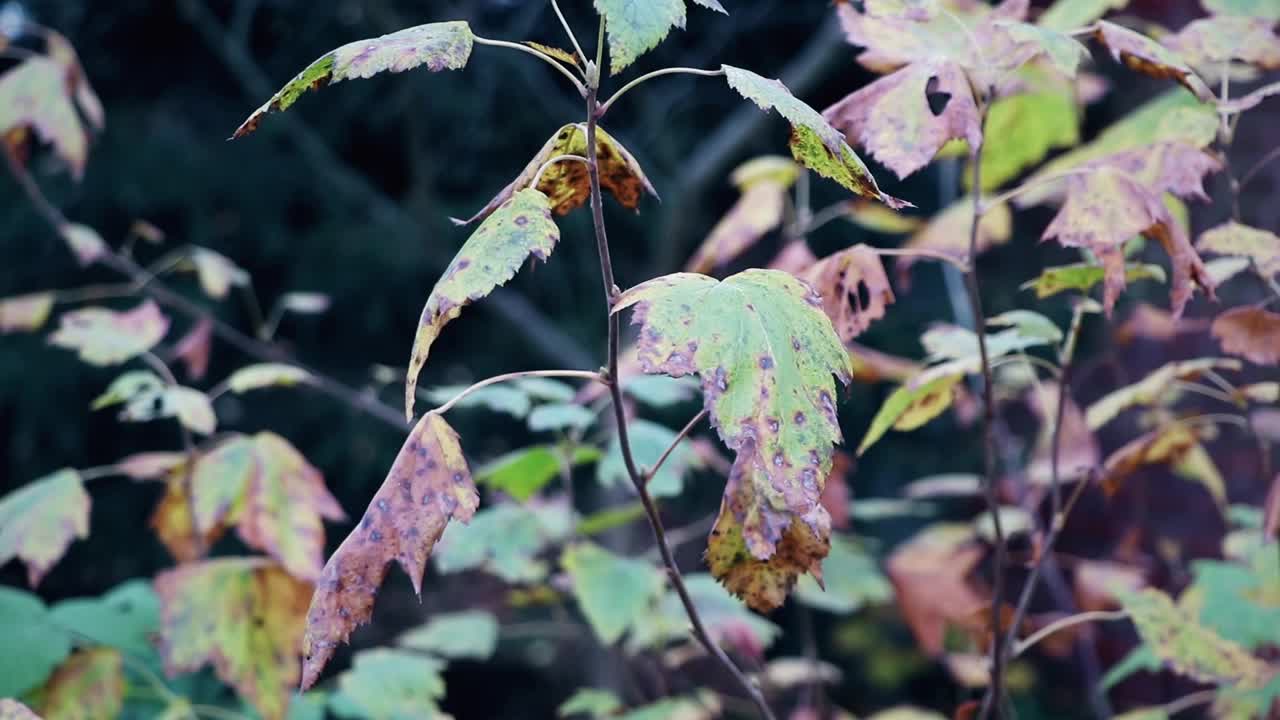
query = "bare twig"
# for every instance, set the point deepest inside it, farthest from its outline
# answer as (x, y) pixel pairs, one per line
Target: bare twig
(684, 432)
(579, 374)
(1066, 622)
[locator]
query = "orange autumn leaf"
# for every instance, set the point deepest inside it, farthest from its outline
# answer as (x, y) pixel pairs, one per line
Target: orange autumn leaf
(1250, 332)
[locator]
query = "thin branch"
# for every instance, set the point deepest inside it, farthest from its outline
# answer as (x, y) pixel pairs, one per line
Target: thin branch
(580, 374)
(611, 291)
(959, 264)
(1258, 166)
(604, 107)
(569, 31)
(684, 432)
(1066, 622)
(577, 84)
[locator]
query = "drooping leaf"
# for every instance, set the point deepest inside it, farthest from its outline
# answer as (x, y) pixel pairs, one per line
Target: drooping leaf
(649, 441)
(25, 624)
(1152, 388)
(39, 520)
(34, 95)
(948, 233)
(522, 473)
(1168, 445)
(1144, 55)
(387, 684)
(912, 405)
(758, 212)
(242, 615)
(106, 337)
(727, 619)
(1235, 240)
(878, 218)
(766, 356)
(125, 618)
(23, 313)
(505, 541)
(264, 375)
(491, 256)
(637, 26)
(428, 485)
(1253, 333)
(88, 686)
(1083, 277)
(192, 408)
(930, 578)
(614, 592)
(843, 280)
(815, 144)
(852, 580)
(566, 182)
(438, 46)
(466, 635)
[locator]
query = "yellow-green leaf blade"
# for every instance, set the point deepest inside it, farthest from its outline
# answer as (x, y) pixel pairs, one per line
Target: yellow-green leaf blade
(39, 520)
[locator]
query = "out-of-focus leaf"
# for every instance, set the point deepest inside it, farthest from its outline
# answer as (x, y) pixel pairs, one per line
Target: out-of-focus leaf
(505, 541)
(39, 520)
(428, 485)
(659, 391)
(127, 387)
(843, 280)
(637, 26)
(911, 406)
(496, 398)
(386, 684)
(947, 485)
(1235, 240)
(614, 592)
(1241, 598)
(522, 473)
(216, 272)
(264, 375)
(106, 337)
(1224, 38)
(467, 635)
(1250, 332)
(727, 619)
(34, 95)
(1140, 658)
(25, 624)
(305, 303)
(85, 242)
(1083, 277)
(852, 580)
(1144, 55)
(648, 441)
(193, 348)
(1067, 15)
(438, 46)
(191, 407)
(23, 313)
(11, 709)
(1151, 388)
(1169, 445)
(758, 212)
(546, 389)
(1250, 8)
(560, 417)
(1098, 584)
(1027, 127)
(125, 618)
(242, 615)
(592, 702)
(929, 575)
(879, 218)
(948, 232)
(706, 706)
(88, 686)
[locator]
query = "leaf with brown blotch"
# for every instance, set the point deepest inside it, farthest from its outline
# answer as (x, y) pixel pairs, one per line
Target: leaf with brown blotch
(929, 574)
(39, 520)
(551, 51)
(758, 212)
(34, 95)
(1152, 388)
(172, 524)
(1253, 333)
(522, 227)
(948, 233)
(894, 117)
(1218, 39)
(428, 485)
(1233, 239)
(1144, 55)
(242, 615)
(843, 280)
(88, 686)
(1168, 445)
(567, 184)
(23, 313)
(438, 46)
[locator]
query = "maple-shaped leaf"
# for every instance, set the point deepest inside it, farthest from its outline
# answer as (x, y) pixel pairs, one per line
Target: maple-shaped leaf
(242, 615)
(843, 280)
(815, 144)
(438, 46)
(1082, 277)
(1152, 388)
(766, 355)
(1224, 38)
(23, 313)
(11, 709)
(929, 574)
(89, 685)
(520, 228)
(1253, 333)
(948, 232)
(1233, 239)
(1067, 15)
(1144, 55)
(637, 26)
(763, 183)
(106, 337)
(566, 183)
(33, 95)
(1168, 445)
(39, 520)
(428, 485)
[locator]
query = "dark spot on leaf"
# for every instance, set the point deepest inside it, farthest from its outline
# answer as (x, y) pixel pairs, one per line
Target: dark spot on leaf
(521, 220)
(766, 362)
(375, 536)
(799, 418)
(383, 505)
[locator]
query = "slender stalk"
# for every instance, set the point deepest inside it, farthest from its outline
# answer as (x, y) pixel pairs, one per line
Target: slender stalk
(611, 291)
(604, 107)
(582, 89)
(961, 265)
(579, 374)
(1066, 622)
(569, 31)
(1257, 167)
(684, 432)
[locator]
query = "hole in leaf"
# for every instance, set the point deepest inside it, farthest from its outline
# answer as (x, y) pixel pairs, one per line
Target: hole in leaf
(937, 100)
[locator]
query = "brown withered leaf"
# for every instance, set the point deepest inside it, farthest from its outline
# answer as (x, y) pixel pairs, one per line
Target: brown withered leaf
(1222, 38)
(948, 232)
(1253, 333)
(1077, 447)
(1144, 55)
(566, 183)
(844, 280)
(1167, 445)
(1148, 322)
(428, 485)
(929, 573)
(836, 495)
(171, 521)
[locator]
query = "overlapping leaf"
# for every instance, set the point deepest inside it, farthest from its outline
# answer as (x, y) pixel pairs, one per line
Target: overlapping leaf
(25, 623)
(1218, 39)
(106, 337)
(948, 233)
(438, 46)
(1168, 445)
(843, 280)
(242, 615)
(1082, 277)
(766, 356)
(1152, 388)
(913, 404)
(1027, 126)
(522, 473)
(491, 256)
(637, 26)
(88, 686)
(505, 541)
(1253, 333)
(1142, 54)
(763, 183)
(852, 580)
(428, 485)
(39, 520)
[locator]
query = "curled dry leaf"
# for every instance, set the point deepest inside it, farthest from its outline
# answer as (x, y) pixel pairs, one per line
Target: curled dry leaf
(493, 254)
(766, 355)
(39, 520)
(567, 184)
(25, 312)
(106, 337)
(438, 46)
(242, 615)
(929, 574)
(1144, 55)
(90, 684)
(428, 485)
(843, 280)
(1253, 333)
(1233, 239)
(1169, 445)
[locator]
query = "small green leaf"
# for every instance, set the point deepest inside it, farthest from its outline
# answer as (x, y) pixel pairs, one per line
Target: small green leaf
(513, 401)
(217, 274)
(659, 391)
(609, 518)
(106, 337)
(522, 473)
(127, 387)
(546, 389)
(264, 375)
(1140, 658)
(1029, 125)
(504, 541)
(613, 591)
(1029, 324)
(25, 623)
(726, 618)
(386, 684)
(39, 520)
(912, 405)
(126, 618)
(467, 635)
(560, 417)
(637, 26)
(593, 702)
(1083, 277)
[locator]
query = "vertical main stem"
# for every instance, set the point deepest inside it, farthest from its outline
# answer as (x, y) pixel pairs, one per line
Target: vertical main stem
(615, 389)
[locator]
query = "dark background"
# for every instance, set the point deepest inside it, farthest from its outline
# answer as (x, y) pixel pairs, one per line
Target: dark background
(349, 194)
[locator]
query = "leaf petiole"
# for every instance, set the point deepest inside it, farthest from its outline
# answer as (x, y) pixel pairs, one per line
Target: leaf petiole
(577, 84)
(580, 374)
(604, 106)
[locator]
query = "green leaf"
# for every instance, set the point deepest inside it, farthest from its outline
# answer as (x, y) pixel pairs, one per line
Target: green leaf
(852, 580)
(265, 375)
(428, 485)
(1139, 658)
(613, 591)
(704, 707)
(1029, 126)
(1241, 600)
(438, 46)
(25, 624)
(1029, 324)
(504, 541)
(560, 417)
(1082, 277)
(1265, 9)
(648, 441)
(242, 615)
(546, 389)
(125, 618)
(467, 635)
(766, 355)
(659, 391)
(39, 520)
(912, 405)
(610, 518)
(637, 26)
(592, 702)
(522, 473)
(34, 95)
(1067, 15)
(814, 143)
(106, 337)
(386, 684)
(503, 399)
(726, 618)
(490, 257)
(23, 313)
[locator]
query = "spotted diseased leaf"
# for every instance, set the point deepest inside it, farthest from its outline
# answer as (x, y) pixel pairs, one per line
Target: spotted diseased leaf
(438, 46)
(1188, 648)
(242, 615)
(24, 313)
(929, 574)
(1224, 38)
(637, 26)
(1082, 277)
(34, 96)
(265, 375)
(895, 119)
(948, 233)
(520, 228)
(1253, 333)
(1233, 239)
(428, 485)
(192, 408)
(913, 404)
(1144, 55)
(11, 709)
(106, 337)
(1150, 389)
(39, 520)
(815, 144)
(843, 280)
(566, 182)
(766, 355)
(88, 686)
